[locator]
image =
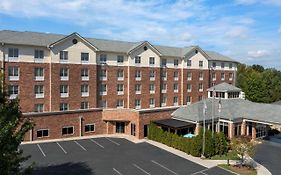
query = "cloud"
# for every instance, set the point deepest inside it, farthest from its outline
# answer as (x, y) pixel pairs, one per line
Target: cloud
(258, 53)
(279, 29)
(266, 2)
(237, 32)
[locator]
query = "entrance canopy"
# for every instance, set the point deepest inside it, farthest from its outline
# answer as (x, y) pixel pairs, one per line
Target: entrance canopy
(172, 123)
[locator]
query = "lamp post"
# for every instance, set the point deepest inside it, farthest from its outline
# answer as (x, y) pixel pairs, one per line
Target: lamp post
(204, 127)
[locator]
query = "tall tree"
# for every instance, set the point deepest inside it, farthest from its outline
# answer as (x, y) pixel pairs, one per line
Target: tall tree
(13, 127)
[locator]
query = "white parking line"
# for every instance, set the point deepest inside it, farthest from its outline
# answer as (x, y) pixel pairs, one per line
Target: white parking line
(202, 172)
(117, 171)
(80, 146)
(41, 150)
(61, 148)
(164, 167)
(141, 169)
(112, 141)
(96, 143)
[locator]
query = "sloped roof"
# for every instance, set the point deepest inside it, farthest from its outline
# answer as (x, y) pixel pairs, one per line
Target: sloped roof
(217, 56)
(231, 109)
(224, 87)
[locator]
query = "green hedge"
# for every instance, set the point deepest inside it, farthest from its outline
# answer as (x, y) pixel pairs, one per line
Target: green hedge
(193, 146)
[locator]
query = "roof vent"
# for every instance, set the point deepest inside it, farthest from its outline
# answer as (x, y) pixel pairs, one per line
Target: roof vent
(144, 48)
(74, 41)
(196, 51)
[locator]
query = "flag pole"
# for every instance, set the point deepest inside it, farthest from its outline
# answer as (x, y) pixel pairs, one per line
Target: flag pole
(204, 127)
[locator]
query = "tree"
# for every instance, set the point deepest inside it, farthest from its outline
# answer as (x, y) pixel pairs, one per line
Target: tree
(13, 127)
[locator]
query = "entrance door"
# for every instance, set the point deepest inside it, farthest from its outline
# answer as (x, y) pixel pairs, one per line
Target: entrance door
(145, 130)
(120, 127)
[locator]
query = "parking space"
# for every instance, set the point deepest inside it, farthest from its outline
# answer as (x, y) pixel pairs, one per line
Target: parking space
(109, 156)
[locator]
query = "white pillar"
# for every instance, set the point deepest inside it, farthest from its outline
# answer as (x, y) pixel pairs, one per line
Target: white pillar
(80, 125)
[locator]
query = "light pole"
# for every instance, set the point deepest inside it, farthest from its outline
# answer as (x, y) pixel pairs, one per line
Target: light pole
(204, 127)
(213, 101)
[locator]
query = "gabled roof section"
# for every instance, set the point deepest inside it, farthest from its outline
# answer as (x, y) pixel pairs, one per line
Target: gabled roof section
(224, 87)
(188, 50)
(71, 35)
(143, 44)
(218, 57)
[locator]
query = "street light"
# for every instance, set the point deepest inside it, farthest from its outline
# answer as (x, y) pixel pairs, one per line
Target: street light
(204, 127)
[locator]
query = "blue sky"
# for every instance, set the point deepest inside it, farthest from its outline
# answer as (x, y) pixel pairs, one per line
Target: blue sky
(246, 30)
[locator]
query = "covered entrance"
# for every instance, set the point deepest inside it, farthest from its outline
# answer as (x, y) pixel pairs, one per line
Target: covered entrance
(176, 126)
(120, 127)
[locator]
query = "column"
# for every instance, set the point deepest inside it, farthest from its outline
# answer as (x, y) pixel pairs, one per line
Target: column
(243, 128)
(247, 127)
(254, 131)
(197, 129)
(230, 130)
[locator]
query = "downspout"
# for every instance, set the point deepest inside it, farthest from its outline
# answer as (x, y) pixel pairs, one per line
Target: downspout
(128, 83)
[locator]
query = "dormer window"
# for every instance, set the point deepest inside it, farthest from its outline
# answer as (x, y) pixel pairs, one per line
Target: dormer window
(188, 64)
(200, 64)
(103, 58)
(137, 60)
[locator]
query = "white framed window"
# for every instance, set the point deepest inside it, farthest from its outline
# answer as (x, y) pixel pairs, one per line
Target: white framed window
(188, 63)
(39, 74)
(151, 75)
(63, 56)
(164, 62)
(222, 76)
(214, 65)
(222, 65)
(90, 127)
(84, 57)
(39, 91)
(103, 89)
(230, 76)
(163, 88)
(189, 76)
(230, 65)
(201, 77)
(176, 75)
(13, 54)
(13, 91)
(176, 62)
(38, 55)
(103, 74)
(64, 74)
(151, 102)
(13, 73)
(151, 61)
(200, 87)
(63, 91)
(120, 89)
(68, 130)
(120, 59)
(138, 75)
(39, 107)
(214, 77)
(103, 104)
(189, 87)
(64, 106)
(137, 103)
(151, 88)
(138, 88)
(164, 75)
(120, 103)
(176, 87)
(103, 58)
(137, 60)
(188, 100)
(163, 101)
(200, 64)
(42, 133)
(85, 74)
(84, 105)
(84, 90)
(176, 100)
(120, 75)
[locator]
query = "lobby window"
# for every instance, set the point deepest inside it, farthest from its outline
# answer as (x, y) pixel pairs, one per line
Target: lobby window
(39, 91)
(230, 65)
(176, 87)
(84, 57)
(200, 75)
(189, 87)
(120, 103)
(230, 76)
(188, 63)
(103, 74)
(120, 89)
(214, 77)
(137, 60)
(120, 59)
(133, 129)
(176, 62)
(200, 64)
(13, 53)
(164, 75)
(13, 73)
(103, 89)
(151, 88)
(13, 91)
(176, 100)
(164, 62)
(67, 130)
(222, 76)
(138, 75)
(214, 65)
(38, 55)
(42, 133)
(189, 76)
(103, 58)
(151, 61)
(138, 88)
(84, 90)
(137, 103)
(39, 73)
(63, 56)
(222, 65)
(63, 106)
(85, 74)
(151, 75)
(39, 107)
(120, 75)
(63, 91)
(64, 74)
(188, 100)
(84, 105)
(176, 75)
(200, 87)
(151, 102)
(90, 127)
(163, 101)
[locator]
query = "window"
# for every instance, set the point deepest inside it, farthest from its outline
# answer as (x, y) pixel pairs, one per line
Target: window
(120, 89)
(84, 57)
(13, 91)
(133, 129)
(13, 73)
(38, 54)
(67, 130)
(214, 76)
(164, 62)
(90, 128)
(84, 105)
(39, 91)
(152, 75)
(120, 59)
(42, 133)
(137, 103)
(39, 74)
(151, 102)
(214, 65)
(137, 59)
(200, 75)
(230, 65)
(63, 56)
(176, 99)
(64, 74)
(200, 87)
(230, 76)
(151, 88)
(84, 90)
(222, 76)
(63, 91)
(84, 74)
(164, 75)
(103, 58)
(39, 108)
(63, 106)
(13, 53)
(138, 88)
(200, 98)
(189, 87)
(103, 89)
(200, 63)
(151, 60)
(120, 75)
(176, 62)
(103, 103)
(188, 63)
(120, 103)
(176, 87)
(138, 75)
(222, 65)
(164, 88)
(189, 76)
(103, 74)
(188, 100)
(176, 75)
(163, 101)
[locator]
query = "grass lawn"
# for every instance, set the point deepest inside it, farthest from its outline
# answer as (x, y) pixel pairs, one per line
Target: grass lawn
(241, 171)
(230, 155)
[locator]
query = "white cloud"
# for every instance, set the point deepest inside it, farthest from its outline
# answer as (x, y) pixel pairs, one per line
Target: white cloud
(237, 32)
(258, 53)
(246, 2)
(279, 29)
(267, 2)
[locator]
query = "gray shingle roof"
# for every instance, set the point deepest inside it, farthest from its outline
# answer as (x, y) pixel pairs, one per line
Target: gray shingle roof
(218, 57)
(224, 87)
(231, 109)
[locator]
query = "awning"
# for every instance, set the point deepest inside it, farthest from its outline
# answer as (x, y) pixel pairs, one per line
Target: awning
(172, 123)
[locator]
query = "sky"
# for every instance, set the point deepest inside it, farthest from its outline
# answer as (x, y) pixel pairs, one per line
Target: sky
(248, 31)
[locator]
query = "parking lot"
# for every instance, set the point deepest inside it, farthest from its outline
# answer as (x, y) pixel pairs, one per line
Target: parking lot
(109, 156)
